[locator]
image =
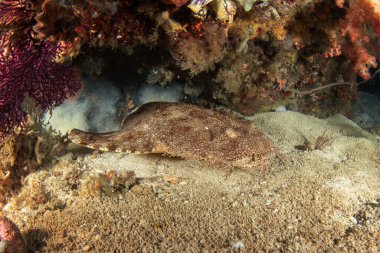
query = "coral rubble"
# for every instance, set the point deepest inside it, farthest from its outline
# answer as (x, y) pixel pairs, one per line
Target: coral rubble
(25, 150)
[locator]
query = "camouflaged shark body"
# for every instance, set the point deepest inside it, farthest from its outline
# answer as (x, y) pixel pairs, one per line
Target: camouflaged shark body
(186, 131)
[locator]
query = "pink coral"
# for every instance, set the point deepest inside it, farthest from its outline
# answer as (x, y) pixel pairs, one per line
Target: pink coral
(10, 237)
(360, 15)
(30, 69)
(339, 3)
(176, 3)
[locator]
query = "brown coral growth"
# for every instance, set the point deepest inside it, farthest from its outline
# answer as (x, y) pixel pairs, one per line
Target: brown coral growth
(185, 131)
(54, 21)
(201, 48)
(24, 151)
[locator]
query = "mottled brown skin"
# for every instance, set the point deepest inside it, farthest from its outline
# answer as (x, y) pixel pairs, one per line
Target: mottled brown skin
(186, 131)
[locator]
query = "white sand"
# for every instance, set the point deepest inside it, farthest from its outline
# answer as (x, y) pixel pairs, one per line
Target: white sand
(319, 200)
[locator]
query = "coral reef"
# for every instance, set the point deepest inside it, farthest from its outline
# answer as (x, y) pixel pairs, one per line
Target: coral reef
(27, 69)
(13, 12)
(38, 38)
(248, 55)
(280, 46)
(251, 56)
(176, 3)
(201, 48)
(99, 24)
(360, 17)
(225, 10)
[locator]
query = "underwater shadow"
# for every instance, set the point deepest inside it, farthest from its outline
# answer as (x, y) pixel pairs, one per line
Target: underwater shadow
(35, 239)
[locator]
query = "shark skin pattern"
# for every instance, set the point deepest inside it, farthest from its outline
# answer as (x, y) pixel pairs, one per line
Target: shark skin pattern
(186, 131)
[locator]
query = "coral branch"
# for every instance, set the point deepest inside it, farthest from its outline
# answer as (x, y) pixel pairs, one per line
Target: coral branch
(30, 69)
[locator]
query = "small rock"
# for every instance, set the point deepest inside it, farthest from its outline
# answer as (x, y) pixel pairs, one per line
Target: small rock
(86, 248)
(238, 245)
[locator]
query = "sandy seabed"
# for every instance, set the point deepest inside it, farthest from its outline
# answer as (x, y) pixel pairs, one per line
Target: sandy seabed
(305, 200)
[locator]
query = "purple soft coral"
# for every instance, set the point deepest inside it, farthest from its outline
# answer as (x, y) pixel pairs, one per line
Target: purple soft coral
(30, 69)
(14, 11)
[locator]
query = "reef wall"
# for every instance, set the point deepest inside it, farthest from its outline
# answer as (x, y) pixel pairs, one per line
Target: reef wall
(248, 55)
